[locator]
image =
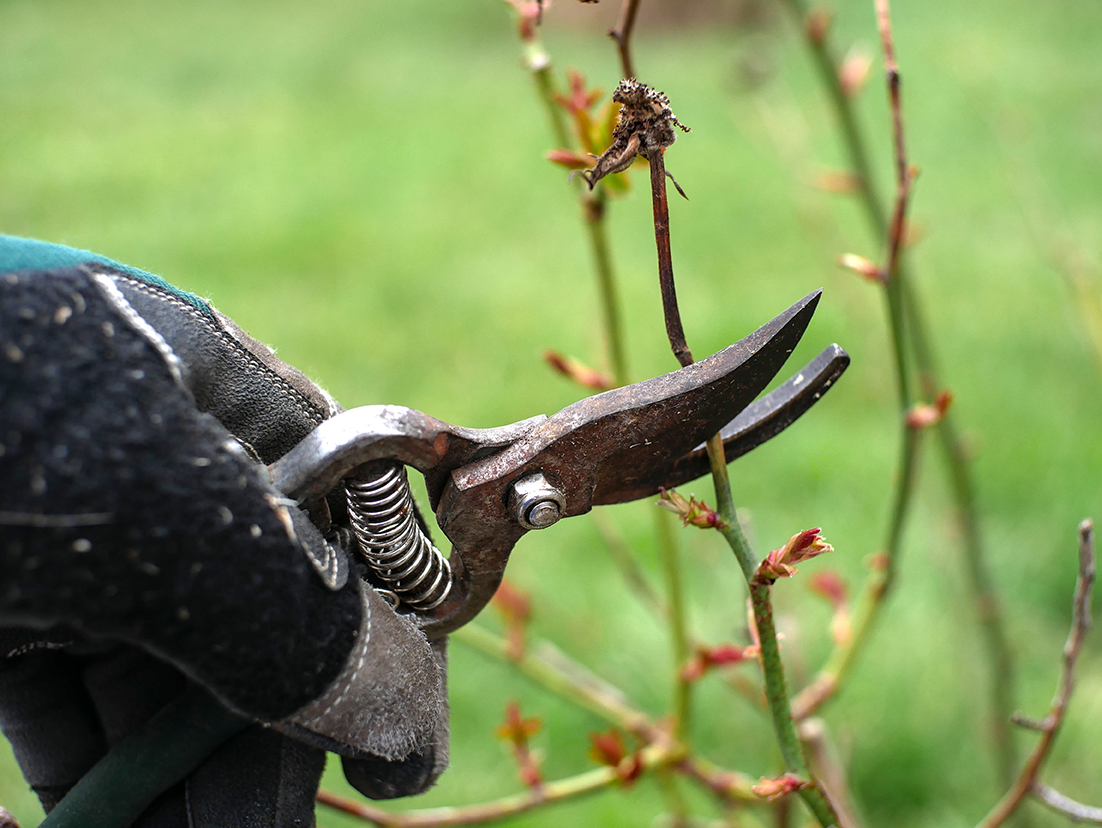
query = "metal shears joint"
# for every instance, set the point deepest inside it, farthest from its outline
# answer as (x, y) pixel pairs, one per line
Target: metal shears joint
(488, 487)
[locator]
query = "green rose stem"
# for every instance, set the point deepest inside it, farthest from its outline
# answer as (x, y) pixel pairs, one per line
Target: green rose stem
(593, 204)
(977, 572)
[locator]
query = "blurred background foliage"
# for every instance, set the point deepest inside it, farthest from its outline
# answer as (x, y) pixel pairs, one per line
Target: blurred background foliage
(363, 186)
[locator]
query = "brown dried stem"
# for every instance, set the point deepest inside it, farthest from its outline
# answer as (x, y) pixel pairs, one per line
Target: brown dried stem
(1027, 780)
(674, 331)
(676, 334)
(622, 35)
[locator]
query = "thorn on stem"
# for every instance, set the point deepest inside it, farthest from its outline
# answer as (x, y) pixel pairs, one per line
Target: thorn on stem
(677, 186)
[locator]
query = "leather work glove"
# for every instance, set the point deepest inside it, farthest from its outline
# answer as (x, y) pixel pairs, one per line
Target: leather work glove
(143, 549)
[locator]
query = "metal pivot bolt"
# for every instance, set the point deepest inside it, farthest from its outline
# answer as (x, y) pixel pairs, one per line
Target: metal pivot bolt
(535, 502)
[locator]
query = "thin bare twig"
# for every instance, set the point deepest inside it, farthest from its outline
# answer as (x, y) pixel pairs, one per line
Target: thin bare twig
(630, 571)
(560, 675)
(636, 581)
(545, 794)
(1075, 811)
(676, 620)
(896, 229)
(593, 211)
(593, 204)
(837, 666)
(985, 597)
(729, 786)
(622, 35)
(1050, 726)
(828, 768)
(881, 578)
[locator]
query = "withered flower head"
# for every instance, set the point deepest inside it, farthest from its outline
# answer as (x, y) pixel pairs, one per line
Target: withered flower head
(645, 125)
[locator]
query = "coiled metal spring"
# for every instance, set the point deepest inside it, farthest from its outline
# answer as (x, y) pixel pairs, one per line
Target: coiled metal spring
(391, 540)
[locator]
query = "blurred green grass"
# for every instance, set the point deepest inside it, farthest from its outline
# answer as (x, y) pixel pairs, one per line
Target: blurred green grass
(362, 186)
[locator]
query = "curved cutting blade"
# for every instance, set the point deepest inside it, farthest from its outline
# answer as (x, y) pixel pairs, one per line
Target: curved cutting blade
(760, 421)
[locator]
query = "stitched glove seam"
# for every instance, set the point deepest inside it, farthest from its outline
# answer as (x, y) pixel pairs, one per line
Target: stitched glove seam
(254, 365)
(361, 658)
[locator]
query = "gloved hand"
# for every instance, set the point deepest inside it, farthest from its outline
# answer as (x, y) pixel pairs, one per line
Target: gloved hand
(142, 546)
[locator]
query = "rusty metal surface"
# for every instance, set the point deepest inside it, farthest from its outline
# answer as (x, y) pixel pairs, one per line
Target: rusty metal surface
(760, 421)
(613, 447)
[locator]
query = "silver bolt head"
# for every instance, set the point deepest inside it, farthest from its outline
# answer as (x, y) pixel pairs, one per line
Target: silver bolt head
(543, 514)
(535, 502)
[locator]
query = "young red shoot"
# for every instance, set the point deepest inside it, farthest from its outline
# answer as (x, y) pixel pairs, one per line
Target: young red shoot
(853, 72)
(608, 749)
(708, 658)
(774, 789)
(515, 607)
(781, 563)
(579, 99)
(829, 585)
(570, 159)
(817, 26)
(863, 267)
(929, 415)
(516, 730)
(529, 13)
(692, 512)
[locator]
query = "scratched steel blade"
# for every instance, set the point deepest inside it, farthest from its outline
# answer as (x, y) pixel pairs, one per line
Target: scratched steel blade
(610, 443)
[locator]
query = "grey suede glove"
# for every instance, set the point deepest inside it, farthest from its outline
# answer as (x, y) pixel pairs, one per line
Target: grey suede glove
(135, 511)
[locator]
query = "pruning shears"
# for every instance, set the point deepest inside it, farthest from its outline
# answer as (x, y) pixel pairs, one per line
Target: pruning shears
(489, 487)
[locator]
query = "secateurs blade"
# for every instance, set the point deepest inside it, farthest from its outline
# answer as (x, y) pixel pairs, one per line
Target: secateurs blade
(488, 487)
